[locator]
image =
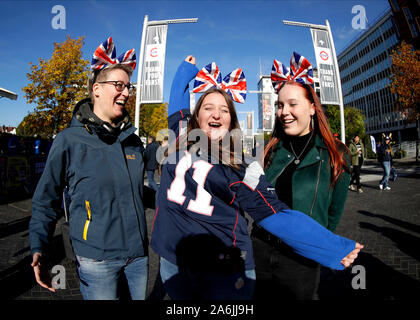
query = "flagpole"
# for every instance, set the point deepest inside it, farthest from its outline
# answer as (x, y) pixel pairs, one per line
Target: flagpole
(139, 88)
(140, 74)
(340, 92)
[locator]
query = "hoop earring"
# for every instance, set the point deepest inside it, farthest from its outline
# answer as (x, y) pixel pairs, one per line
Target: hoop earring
(312, 123)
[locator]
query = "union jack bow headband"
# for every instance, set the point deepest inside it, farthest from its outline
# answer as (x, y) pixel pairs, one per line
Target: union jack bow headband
(300, 71)
(234, 83)
(104, 56)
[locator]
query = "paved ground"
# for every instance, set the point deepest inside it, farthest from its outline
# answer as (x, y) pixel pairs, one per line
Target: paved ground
(386, 222)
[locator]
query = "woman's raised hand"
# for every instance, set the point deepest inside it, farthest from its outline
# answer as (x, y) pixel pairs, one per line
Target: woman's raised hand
(190, 59)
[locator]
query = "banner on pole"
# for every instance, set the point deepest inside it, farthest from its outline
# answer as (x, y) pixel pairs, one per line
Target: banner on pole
(373, 143)
(154, 64)
(267, 112)
(326, 67)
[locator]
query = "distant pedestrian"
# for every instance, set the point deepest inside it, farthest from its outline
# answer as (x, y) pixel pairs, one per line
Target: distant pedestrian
(385, 158)
(151, 161)
(357, 155)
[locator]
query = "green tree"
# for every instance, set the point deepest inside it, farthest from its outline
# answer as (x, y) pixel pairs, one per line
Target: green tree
(55, 87)
(353, 121)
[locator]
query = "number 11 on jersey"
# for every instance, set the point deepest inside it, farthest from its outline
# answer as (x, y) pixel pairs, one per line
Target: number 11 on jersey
(201, 204)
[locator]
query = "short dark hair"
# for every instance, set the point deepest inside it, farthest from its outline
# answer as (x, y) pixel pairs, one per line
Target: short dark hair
(99, 75)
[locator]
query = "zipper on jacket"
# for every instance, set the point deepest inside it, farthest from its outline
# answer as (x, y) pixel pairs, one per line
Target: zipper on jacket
(317, 183)
(89, 219)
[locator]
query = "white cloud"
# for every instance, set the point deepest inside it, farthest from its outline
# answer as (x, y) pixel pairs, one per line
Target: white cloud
(345, 33)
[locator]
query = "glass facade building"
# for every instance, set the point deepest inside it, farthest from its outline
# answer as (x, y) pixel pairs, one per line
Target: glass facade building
(365, 68)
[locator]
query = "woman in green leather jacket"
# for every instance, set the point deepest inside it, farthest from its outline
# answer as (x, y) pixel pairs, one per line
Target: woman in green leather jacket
(310, 172)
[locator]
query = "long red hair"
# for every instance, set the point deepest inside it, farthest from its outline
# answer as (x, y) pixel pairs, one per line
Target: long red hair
(336, 149)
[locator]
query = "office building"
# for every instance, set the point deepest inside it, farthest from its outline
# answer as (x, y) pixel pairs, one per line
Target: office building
(365, 70)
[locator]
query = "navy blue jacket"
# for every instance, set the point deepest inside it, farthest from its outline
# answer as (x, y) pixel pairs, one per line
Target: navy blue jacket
(105, 183)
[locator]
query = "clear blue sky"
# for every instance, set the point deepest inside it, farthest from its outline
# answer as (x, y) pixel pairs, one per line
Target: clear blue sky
(231, 33)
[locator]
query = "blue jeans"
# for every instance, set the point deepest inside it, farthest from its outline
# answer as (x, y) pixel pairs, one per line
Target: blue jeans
(99, 279)
(386, 165)
(206, 285)
(393, 173)
(151, 178)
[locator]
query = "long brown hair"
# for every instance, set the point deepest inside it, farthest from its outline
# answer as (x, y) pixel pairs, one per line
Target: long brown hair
(336, 149)
(234, 156)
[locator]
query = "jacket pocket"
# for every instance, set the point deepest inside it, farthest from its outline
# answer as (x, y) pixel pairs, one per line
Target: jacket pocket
(88, 220)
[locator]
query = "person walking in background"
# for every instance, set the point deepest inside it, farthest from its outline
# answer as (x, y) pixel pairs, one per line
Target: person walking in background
(310, 172)
(99, 159)
(151, 162)
(385, 156)
(357, 155)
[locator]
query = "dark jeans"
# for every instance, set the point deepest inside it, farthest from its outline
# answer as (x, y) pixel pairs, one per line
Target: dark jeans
(355, 176)
(283, 274)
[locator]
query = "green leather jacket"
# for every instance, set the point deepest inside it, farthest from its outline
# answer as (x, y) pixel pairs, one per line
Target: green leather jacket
(312, 193)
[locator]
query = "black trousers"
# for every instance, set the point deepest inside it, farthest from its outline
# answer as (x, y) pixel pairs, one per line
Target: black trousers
(283, 274)
(355, 176)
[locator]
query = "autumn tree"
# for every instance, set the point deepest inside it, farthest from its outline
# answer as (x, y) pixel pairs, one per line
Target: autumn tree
(405, 82)
(353, 121)
(153, 117)
(56, 85)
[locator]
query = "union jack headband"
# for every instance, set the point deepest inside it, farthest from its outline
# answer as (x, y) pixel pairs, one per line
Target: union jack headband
(300, 71)
(104, 56)
(234, 83)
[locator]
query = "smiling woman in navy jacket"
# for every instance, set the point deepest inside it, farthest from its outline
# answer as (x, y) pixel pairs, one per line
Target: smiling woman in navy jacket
(100, 160)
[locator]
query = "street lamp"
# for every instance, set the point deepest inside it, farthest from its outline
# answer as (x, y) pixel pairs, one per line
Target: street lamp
(146, 24)
(8, 94)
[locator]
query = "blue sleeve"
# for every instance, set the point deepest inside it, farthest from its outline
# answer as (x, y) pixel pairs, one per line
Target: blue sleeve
(180, 95)
(47, 199)
(179, 100)
(308, 238)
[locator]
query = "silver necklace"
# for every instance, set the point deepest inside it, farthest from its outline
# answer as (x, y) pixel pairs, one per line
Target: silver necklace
(297, 160)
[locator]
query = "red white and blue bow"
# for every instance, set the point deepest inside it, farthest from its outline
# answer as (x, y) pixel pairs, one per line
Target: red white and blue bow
(234, 83)
(104, 56)
(300, 71)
